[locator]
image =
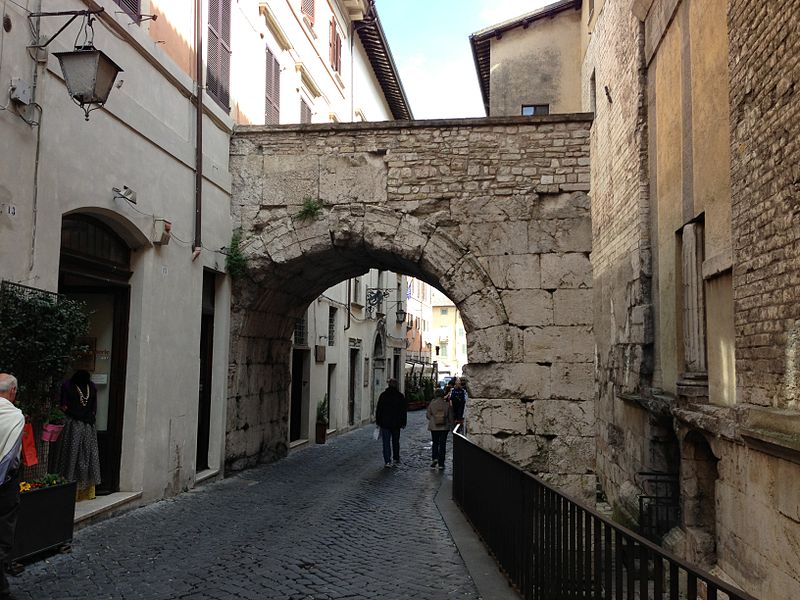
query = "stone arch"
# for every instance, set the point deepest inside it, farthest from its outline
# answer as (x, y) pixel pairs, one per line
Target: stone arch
(130, 232)
(493, 212)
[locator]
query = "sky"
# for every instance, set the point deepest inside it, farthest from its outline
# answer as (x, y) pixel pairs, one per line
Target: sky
(429, 40)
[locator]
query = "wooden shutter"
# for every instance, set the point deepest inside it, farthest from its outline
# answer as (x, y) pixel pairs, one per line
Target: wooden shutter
(131, 7)
(307, 8)
(305, 112)
(218, 59)
(272, 107)
(335, 47)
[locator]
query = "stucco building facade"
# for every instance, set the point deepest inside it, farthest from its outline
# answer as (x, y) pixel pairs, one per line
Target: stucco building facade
(131, 211)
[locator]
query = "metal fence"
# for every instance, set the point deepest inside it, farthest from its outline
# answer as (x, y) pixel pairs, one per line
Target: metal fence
(552, 547)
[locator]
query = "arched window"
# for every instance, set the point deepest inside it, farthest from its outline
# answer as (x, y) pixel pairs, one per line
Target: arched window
(90, 247)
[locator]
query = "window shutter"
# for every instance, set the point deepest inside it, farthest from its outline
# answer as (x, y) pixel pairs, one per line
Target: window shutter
(273, 90)
(219, 51)
(332, 43)
(305, 112)
(131, 7)
(307, 8)
(338, 53)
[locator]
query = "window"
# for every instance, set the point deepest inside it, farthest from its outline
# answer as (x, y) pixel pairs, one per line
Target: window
(272, 94)
(529, 110)
(593, 93)
(218, 71)
(305, 112)
(331, 326)
(335, 47)
(443, 311)
(307, 8)
(356, 291)
(131, 7)
(301, 331)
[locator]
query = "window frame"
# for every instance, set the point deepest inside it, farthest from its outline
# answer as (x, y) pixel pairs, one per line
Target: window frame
(537, 110)
(272, 89)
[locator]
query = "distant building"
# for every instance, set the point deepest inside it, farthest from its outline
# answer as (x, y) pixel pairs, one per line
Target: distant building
(450, 339)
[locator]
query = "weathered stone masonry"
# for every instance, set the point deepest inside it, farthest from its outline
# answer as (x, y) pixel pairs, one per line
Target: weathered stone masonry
(494, 212)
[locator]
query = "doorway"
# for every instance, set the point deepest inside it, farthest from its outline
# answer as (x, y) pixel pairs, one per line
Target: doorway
(206, 362)
(95, 268)
(355, 361)
(301, 360)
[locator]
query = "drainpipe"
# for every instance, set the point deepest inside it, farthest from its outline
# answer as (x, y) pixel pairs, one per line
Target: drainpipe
(198, 160)
(347, 308)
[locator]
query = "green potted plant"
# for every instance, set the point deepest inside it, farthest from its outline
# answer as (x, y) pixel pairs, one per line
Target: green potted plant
(322, 419)
(51, 429)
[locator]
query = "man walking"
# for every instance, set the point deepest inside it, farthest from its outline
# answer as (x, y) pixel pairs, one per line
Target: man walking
(390, 416)
(11, 423)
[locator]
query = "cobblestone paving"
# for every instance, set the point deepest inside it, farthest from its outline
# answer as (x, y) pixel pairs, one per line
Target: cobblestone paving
(327, 522)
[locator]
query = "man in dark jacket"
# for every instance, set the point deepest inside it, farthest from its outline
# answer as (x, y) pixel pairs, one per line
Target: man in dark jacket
(390, 416)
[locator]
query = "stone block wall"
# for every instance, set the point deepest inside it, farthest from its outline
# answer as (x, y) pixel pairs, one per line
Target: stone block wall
(614, 83)
(494, 212)
(765, 172)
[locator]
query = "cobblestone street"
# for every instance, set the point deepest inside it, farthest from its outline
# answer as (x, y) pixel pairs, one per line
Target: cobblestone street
(327, 522)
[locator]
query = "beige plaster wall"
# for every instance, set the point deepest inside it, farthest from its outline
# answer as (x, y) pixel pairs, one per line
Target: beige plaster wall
(537, 65)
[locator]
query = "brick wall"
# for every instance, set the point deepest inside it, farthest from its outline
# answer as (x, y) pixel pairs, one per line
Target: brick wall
(765, 153)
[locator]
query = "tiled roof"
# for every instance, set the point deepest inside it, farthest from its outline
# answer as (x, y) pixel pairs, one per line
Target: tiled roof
(373, 38)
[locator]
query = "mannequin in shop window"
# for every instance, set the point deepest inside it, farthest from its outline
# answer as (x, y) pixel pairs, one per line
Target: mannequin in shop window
(78, 458)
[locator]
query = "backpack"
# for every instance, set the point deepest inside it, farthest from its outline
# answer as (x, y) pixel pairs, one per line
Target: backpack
(439, 413)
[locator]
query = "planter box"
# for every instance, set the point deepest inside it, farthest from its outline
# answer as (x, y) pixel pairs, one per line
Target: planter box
(45, 520)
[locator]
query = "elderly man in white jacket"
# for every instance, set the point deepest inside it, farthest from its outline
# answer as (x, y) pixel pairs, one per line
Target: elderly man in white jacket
(11, 423)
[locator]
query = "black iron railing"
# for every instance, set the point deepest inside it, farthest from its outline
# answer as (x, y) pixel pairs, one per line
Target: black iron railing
(552, 547)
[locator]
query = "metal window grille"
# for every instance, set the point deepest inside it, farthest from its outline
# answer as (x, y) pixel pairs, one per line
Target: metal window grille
(301, 331)
(218, 59)
(272, 94)
(331, 326)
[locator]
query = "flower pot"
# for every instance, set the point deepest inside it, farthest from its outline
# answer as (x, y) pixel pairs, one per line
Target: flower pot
(50, 432)
(322, 431)
(45, 520)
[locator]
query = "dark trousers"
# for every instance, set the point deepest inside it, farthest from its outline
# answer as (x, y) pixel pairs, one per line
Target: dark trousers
(9, 504)
(439, 448)
(390, 436)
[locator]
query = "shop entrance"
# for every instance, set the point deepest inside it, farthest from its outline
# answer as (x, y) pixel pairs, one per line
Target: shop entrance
(95, 269)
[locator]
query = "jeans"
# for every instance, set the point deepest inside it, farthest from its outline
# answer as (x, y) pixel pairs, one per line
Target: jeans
(393, 436)
(439, 448)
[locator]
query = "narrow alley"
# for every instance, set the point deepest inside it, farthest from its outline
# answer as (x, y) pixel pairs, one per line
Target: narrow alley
(327, 522)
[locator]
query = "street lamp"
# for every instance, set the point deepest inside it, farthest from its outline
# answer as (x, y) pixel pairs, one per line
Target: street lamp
(88, 72)
(89, 75)
(401, 314)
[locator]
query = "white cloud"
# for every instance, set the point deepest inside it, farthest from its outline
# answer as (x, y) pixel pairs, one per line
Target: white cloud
(496, 11)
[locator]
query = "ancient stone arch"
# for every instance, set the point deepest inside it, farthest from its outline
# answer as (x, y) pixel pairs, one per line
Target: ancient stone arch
(493, 212)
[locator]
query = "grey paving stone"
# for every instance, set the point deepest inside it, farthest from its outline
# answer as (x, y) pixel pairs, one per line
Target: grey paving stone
(328, 522)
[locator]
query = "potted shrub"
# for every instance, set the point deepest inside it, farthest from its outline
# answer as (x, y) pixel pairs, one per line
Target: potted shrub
(51, 430)
(45, 516)
(322, 419)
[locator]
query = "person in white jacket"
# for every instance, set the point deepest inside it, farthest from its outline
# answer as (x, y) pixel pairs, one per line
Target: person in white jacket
(12, 422)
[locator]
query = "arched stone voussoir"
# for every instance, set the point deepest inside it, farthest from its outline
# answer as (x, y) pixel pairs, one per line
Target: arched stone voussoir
(441, 254)
(482, 309)
(380, 228)
(465, 278)
(346, 225)
(412, 236)
(280, 238)
(313, 234)
(509, 380)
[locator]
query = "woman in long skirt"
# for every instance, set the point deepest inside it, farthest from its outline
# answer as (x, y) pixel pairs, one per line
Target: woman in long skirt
(78, 458)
